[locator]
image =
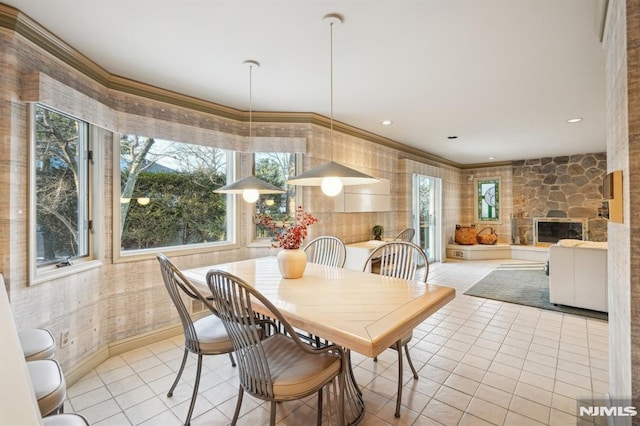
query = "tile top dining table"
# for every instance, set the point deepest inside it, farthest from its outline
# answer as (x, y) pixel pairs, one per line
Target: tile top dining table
(360, 311)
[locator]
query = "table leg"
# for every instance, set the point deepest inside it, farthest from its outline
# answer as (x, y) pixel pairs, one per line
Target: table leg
(353, 398)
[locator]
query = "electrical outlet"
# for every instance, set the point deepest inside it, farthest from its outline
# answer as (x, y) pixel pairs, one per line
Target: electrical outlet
(64, 338)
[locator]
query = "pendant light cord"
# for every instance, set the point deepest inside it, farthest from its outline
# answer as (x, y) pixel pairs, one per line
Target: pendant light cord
(250, 99)
(331, 85)
(331, 73)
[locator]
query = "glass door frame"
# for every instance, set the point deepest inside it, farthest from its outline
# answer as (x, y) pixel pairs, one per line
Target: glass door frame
(433, 230)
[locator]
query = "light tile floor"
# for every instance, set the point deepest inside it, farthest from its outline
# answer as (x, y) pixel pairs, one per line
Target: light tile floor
(480, 362)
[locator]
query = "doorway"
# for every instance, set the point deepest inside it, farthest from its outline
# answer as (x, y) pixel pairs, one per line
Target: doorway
(427, 196)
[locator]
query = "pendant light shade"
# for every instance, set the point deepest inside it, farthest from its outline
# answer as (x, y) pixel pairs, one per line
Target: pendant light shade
(250, 187)
(331, 177)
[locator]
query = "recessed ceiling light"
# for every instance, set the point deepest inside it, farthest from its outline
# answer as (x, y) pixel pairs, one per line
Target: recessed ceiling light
(386, 122)
(452, 137)
(574, 120)
(492, 158)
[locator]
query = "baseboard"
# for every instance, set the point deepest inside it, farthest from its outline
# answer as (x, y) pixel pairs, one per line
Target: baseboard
(85, 366)
(144, 339)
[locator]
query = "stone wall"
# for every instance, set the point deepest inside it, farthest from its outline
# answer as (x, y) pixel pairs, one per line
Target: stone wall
(564, 186)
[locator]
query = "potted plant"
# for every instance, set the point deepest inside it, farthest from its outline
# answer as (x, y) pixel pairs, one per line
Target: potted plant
(378, 232)
(291, 260)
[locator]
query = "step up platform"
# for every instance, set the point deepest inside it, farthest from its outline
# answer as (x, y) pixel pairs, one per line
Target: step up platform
(497, 251)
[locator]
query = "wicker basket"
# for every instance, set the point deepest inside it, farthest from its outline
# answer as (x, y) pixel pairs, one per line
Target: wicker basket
(466, 234)
(489, 239)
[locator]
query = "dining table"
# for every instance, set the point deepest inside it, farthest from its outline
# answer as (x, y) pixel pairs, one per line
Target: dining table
(360, 311)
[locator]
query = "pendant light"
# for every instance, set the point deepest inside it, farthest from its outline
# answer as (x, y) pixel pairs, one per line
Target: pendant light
(331, 177)
(250, 187)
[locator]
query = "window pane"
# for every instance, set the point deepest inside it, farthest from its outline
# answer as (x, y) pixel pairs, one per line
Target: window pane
(488, 199)
(60, 187)
(167, 196)
(276, 168)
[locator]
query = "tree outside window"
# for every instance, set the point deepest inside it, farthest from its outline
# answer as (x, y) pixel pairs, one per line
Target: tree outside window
(167, 197)
(275, 168)
(61, 166)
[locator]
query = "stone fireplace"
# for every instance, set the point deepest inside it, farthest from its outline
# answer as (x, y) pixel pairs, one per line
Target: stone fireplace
(550, 230)
(556, 189)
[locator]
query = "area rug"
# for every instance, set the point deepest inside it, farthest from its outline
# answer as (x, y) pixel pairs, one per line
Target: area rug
(524, 286)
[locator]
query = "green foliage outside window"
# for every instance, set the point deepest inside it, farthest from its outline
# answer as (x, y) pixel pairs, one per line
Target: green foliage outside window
(276, 168)
(167, 196)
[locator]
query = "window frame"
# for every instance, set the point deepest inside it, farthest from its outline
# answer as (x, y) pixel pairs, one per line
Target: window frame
(93, 183)
(233, 216)
(253, 240)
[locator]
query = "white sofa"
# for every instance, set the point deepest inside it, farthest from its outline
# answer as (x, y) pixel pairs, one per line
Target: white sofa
(578, 274)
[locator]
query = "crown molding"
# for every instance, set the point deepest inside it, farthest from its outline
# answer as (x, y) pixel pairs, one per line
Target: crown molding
(18, 22)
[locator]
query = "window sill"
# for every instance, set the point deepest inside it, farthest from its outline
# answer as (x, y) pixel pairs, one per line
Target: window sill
(259, 244)
(50, 273)
(148, 254)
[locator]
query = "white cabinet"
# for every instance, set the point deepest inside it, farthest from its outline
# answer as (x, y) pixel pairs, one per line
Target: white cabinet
(358, 253)
(373, 197)
(578, 277)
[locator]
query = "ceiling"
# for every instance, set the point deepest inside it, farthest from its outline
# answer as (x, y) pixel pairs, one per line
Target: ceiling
(504, 76)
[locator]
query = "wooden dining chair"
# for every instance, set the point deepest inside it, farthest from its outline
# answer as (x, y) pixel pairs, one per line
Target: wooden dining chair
(326, 250)
(205, 336)
(279, 367)
(400, 259)
(405, 235)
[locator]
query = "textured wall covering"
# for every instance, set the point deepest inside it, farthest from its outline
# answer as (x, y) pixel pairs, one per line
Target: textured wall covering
(119, 300)
(633, 174)
(622, 46)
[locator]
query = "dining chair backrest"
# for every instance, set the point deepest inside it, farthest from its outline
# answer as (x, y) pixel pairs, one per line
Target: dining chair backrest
(326, 250)
(405, 235)
(232, 298)
(399, 259)
(178, 285)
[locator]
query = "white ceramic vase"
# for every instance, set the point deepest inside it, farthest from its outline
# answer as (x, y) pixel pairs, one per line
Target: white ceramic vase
(292, 263)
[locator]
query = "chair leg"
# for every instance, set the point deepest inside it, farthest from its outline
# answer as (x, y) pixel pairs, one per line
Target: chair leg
(238, 405)
(375, 359)
(272, 416)
(399, 398)
(196, 384)
(320, 407)
(175, 383)
(415, 373)
(233, 361)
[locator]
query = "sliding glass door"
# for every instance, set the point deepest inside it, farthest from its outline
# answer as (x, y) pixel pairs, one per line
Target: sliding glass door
(427, 195)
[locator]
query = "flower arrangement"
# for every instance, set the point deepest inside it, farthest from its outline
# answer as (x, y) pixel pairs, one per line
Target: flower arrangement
(288, 237)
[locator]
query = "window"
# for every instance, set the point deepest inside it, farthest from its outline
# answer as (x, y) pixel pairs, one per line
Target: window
(275, 168)
(488, 200)
(166, 195)
(62, 183)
